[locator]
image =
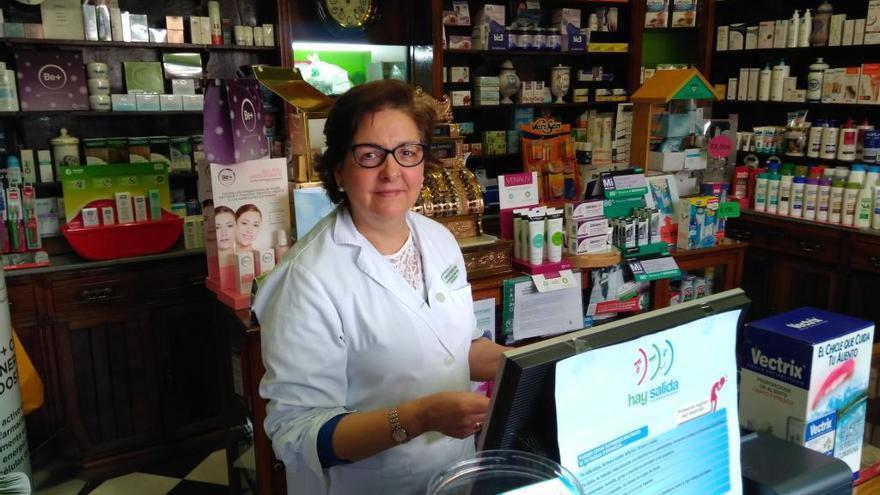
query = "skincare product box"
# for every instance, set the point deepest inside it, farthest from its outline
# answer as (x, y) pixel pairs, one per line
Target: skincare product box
(684, 13)
(589, 245)
(139, 28)
(62, 20)
(584, 210)
(743, 85)
(51, 80)
(491, 15)
(180, 148)
(123, 207)
(170, 103)
(586, 227)
(849, 27)
(107, 215)
(751, 38)
(193, 102)
(90, 26)
(859, 32)
(140, 208)
(44, 162)
(158, 35)
(95, 150)
(459, 42)
(265, 261)
(494, 142)
(835, 31)
(731, 88)
(123, 103)
(656, 12)
(850, 84)
(805, 377)
(459, 74)
(736, 36)
(183, 87)
(144, 77)
(766, 30)
(752, 93)
(155, 203)
(461, 98)
(147, 102)
(780, 33)
(697, 221)
(869, 84)
(721, 39)
(90, 217)
(160, 150)
(872, 25)
(244, 272)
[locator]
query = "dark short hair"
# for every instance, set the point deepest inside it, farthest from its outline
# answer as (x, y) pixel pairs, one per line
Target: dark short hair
(347, 113)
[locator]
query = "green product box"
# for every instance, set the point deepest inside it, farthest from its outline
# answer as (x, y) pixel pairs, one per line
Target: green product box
(83, 186)
(494, 142)
(117, 150)
(138, 149)
(181, 154)
(144, 77)
(513, 140)
(622, 207)
(95, 151)
(160, 150)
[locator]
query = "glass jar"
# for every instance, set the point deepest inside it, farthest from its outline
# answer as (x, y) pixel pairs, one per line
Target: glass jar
(554, 40)
(539, 40)
(523, 39)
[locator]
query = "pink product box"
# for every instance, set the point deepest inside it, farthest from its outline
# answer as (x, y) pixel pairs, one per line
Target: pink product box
(458, 42)
(51, 80)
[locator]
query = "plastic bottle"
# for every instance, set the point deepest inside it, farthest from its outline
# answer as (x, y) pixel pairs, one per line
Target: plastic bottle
(773, 193)
(821, 23)
(823, 201)
(764, 84)
(804, 30)
(761, 192)
(814, 80)
(872, 176)
(860, 142)
(785, 183)
(864, 207)
(793, 26)
(798, 187)
(835, 204)
(875, 218)
(850, 197)
(8, 92)
(814, 143)
(13, 171)
(857, 174)
(811, 198)
(281, 245)
(846, 141)
(829, 141)
(777, 80)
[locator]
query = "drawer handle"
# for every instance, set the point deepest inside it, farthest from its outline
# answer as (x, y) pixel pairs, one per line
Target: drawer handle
(94, 295)
(810, 247)
(875, 260)
(742, 235)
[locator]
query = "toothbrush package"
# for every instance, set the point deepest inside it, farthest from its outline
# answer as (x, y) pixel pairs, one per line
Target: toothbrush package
(697, 221)
(804, 378)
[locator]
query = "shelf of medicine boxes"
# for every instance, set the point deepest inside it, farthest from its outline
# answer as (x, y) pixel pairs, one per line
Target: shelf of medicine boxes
(132, 44)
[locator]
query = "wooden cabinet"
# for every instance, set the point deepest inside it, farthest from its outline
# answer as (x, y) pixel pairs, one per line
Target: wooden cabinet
(792, 263)
(132, 363)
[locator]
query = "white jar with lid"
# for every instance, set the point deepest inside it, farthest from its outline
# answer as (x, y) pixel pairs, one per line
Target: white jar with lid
(814, 80)
(65, 150)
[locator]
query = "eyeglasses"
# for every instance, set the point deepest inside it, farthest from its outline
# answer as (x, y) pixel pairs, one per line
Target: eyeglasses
(372, 155)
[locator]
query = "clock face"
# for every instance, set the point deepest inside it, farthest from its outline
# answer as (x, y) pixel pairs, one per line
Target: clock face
(349, 13)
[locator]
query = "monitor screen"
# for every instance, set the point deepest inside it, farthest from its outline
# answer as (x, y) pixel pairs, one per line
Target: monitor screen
(605, 400)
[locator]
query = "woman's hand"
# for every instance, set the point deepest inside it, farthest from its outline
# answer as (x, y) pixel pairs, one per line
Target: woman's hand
(455, 414)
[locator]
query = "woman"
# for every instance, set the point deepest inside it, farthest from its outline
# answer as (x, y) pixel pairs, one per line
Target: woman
(368, 333)
(247, 226)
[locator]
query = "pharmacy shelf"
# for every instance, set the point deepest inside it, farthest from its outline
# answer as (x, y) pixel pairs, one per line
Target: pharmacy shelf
(585, 104)
(811, 50)
(124, 44)
(796, 104)
(800, 160)
(530, 53)
(88, 113)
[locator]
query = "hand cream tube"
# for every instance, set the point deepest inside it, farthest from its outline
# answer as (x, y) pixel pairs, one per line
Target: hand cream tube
(554, 236)
(536, 238)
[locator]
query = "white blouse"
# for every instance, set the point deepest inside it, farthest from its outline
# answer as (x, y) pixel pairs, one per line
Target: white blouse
(408, 263)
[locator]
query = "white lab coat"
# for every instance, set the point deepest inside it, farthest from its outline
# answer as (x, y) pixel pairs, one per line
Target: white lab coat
(343, 331)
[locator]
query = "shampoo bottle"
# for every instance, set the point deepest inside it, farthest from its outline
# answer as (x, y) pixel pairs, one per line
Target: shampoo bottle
(850, 197)
(773, 193)
(823, 201)
(777, 80)
(829, 141)
(785, 183)
(793, 29)
(811, 198)
(864, 207)
(860, 142)
(835, 206)
(814, 143)
(761, 192)
(798, 189)
(814, 80)
(846, 142)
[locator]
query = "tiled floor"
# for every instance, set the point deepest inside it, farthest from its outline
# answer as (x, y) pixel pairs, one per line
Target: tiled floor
(194, 476)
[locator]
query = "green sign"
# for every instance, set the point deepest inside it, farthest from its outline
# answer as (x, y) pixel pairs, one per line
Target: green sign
(694, 90)
(728, 209)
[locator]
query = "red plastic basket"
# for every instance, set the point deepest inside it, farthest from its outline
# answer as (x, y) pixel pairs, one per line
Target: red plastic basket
(122, 240)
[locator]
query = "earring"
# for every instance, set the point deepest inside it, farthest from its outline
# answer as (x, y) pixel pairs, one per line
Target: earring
(341, 189)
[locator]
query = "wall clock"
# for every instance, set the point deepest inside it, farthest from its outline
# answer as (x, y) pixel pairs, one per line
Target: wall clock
(347, 15)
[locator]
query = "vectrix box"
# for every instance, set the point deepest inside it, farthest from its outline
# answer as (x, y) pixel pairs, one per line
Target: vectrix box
(805, 377)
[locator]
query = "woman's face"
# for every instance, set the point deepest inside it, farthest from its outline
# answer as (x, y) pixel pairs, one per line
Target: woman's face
(384, 193)
(247, 228)
(224, 224)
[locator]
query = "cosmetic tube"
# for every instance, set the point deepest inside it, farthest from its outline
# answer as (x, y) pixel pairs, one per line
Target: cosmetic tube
(536, 238)
(554, 236)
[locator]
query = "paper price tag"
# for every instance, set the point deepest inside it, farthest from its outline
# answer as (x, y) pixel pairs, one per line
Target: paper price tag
(547, 282)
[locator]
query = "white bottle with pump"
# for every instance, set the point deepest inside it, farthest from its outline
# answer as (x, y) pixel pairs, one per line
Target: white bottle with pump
(764, 84)
(777, 80)
(804, 30)
(793, 30)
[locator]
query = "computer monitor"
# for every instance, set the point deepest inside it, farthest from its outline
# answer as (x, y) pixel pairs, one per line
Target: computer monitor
(523, 413)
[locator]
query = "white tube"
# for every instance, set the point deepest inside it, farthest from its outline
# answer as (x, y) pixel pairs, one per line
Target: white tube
(536, 238)
(554, 237)
(517, 233)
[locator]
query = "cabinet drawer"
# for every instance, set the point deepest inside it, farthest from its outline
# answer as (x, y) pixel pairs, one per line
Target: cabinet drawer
(183, 279)
(22, 300)
(93, 292)
(866, 255)
(789, 238)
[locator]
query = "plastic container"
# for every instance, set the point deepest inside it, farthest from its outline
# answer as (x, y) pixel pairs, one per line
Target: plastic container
(122, 240)
(497, 471)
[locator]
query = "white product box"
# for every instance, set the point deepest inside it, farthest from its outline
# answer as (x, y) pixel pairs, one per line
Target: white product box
(736, 37)
(869, 87)
(589, 245)
(788, 87)
(147, 102)
(765, 34)
(123, 103)
(666, 161)
(805, 377)
(170, 103)
(459, 74)
(586, 227)
(742, 92)
(566, 19)
(265, 261)
(872, 25)
(140, 208)
(731, 88)
(193, 102)
(585, 210)
(244, 272)
(859, 32)
(721, 39)
(849, 27)
(183, 86)
(850, 85)
(107, 215)
(124, 211)
(754, 75)
(461, 98)
(832, 85)
(780, 33)
(835, 31)
(751, 38)
(90, 217)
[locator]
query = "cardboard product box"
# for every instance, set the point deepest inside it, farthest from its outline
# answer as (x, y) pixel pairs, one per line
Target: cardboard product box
(123, 103)
(751, 38)
(62, 20)
(460, 42)
(160, 149)
(13, 30)
(736, 36)
(850, 85)
(684, 13)
(90, 22)
(175, 36)
(147, 102)
(766, 30)
(138, 149)
(697, 220)
(51, 80)
(666, 161)
(584, 210)
(566, 19)
(849, 28)
(574, 42)
(835, 31)
(465, 128)
(494, 142)
(174, 22)
(832, 85)
(193, 102)
(513, 141)
(461, 98)
(656, 12)
(195, 30)
(859, 32)
(780, 33)
(143, 77)
(170, 103)
(586, 227)
(722, 39)
(581, 95)
(805, 377)
(33, 31)
(460, 74)
(589, 245)
(183, 87)
(869, 84)
(742, 92)
(752, 92)
(139, 28)
(117, 150)
(95, 151)
(731, 88)
(491, 15)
